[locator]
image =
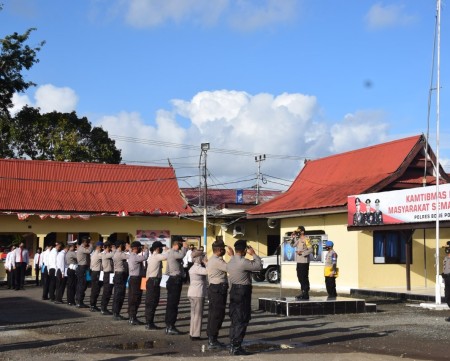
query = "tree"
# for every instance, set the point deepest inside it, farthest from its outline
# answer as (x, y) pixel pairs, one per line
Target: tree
(61, 137)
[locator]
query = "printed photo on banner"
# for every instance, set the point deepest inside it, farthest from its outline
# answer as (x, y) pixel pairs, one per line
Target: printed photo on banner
(147, 237)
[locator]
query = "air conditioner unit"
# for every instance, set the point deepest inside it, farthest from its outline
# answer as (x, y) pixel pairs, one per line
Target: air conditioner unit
(272, 223)
(238, 230)
(224, 227)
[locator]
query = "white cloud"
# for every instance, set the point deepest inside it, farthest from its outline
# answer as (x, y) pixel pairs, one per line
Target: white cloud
(287, 124)
(48, 98)
(359, 130)
(241, 14)
(383, 16)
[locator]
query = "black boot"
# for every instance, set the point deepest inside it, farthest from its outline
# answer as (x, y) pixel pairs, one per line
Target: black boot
(134, 321)
(151, 326)
(105, 312)
(117, 317)
(237, 350)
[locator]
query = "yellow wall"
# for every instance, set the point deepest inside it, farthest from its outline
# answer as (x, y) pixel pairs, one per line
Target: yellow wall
(355, 257)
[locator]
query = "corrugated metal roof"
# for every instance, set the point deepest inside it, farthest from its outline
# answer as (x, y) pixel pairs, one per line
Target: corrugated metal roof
(327, 182)
(48, 186)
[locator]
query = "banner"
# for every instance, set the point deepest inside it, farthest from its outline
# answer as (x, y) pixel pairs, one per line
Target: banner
(403, 206)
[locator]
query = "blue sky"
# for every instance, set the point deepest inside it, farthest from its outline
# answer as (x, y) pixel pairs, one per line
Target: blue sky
(302, 78)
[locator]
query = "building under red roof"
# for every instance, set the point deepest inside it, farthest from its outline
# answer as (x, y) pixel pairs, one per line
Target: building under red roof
(325, 183)
(88, 188)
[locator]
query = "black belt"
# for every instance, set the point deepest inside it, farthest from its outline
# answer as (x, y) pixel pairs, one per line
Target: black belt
(241, 286)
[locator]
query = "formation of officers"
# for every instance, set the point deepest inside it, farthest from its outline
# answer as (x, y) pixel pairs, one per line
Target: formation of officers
(114, 267)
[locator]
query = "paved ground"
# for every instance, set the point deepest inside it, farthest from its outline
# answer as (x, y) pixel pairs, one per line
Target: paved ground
(32, 329)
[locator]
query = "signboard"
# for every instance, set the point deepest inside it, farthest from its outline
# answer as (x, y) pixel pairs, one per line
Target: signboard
(239, 196)
(403, 206)
(317, 244)
(147, 237)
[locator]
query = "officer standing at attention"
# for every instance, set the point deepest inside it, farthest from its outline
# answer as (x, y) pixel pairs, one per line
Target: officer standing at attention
(72, 264)
(330, 270)
(96, 267)
(108, 270)
(120, 278)
(217, 292)
(240, 275)
(136, 270)
(174, 283)
(153, 288)
(83, 258)
(302, 252)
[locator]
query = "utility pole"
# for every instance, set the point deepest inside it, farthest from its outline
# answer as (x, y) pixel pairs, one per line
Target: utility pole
(204, 148)
(259, 159)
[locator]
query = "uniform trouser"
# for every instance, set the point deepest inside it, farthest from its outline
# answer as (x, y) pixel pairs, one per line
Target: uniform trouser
(20, 274)
(134, 295)
(330, 283)
(61, 282)
(196, 315)
(71, 286)
(11, 278)
(45, 283)
(152, 294)
(107, 290)
(96, 285)
(37, 271)
(447, 289)
(51, 283)
(240, 312)
(174, 286)
(303, 276)
(217, 296)
(81, 284)
(120, 282)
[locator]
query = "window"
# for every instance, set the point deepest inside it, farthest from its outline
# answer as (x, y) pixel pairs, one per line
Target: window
(390, 246)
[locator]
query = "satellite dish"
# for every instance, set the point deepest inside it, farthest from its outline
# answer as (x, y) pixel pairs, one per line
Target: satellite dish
(272, 223)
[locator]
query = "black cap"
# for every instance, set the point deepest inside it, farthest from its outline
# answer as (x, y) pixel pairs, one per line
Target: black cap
(377, 201)
(218, 244)
(157, 244)
(136, 244)
(367, 200)
(240, 245)
(357, 201)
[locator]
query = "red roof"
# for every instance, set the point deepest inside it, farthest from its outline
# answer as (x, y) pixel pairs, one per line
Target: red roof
(46, 186)
(327, 182)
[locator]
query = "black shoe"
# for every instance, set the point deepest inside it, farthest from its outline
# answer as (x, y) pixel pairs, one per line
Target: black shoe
(213, 344)
(71, 304)
(134, 321)
(171, 330)
(331, 298)
(44, 298)
(238, 351)
(447, 319)
(81, 305)
(94, 309)
(58, 302)
(151, 326)
(195, 338)
(105, 312)
(117, 317)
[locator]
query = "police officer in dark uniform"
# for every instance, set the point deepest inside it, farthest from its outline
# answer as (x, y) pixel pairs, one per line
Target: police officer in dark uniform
(96, 284)
(377, 215)
(108, 269)
(368, 216)
(358, 217)
(240, 272)
(72, 264)
(217, 292)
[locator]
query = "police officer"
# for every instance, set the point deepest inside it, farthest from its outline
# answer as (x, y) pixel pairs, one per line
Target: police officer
(61, 273)
(368, 216)
(174, 283)
(72, 264)
(330, 270)
(96, 284)
(358, 217)
(240, 275)
(217, 292)
(120, 278)
(83, 258)
(108, 270)
(303, 249)
(136, 272)
(377, 215)
(153, 288)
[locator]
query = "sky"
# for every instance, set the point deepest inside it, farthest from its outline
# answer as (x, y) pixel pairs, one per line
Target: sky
(291, 79)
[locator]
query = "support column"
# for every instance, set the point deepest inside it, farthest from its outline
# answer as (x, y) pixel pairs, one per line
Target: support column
(41, 238)
(104, 237)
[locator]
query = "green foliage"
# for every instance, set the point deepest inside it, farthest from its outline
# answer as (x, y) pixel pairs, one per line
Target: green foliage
(61, 137)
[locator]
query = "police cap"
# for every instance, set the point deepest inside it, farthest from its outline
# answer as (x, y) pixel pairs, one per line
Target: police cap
(136, 244)
(240, 245)
(218, 244)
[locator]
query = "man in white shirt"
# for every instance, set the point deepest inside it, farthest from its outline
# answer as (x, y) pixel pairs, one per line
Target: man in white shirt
(44, 267)
(10, 266)
(61, 273)
(51, 265)
(37, 264)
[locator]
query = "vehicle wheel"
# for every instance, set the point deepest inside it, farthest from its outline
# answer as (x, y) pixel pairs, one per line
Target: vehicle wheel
(259, 277)
(272, 275)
